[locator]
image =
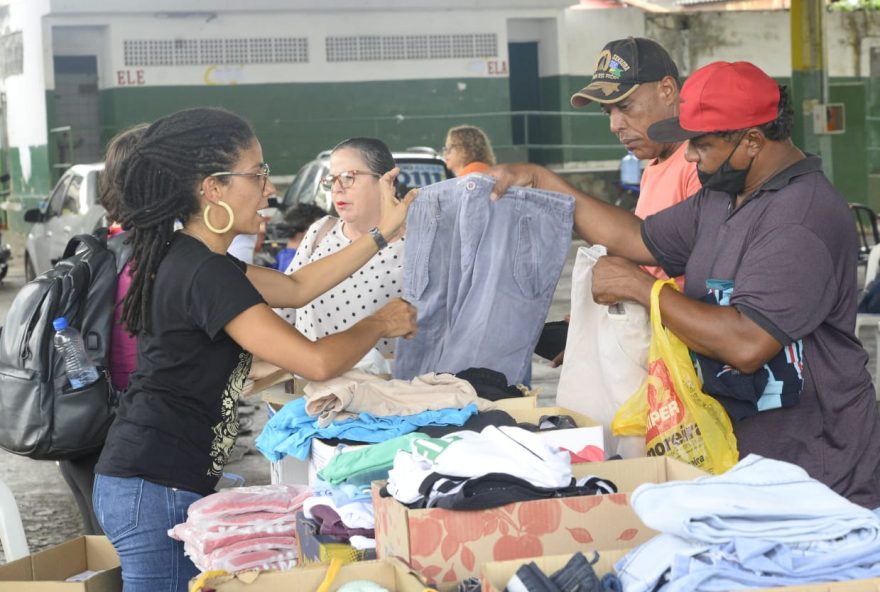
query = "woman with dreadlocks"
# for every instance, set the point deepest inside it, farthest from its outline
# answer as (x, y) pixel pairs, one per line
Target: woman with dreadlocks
(199, 315)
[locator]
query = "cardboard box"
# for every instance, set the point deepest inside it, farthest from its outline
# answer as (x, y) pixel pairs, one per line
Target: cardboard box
(47, 570)
(448, 546)
(265, 381)
(495, 574)
(294, 471)
(389, 574)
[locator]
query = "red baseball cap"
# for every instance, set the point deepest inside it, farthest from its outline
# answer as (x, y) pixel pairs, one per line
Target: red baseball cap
(721, 96)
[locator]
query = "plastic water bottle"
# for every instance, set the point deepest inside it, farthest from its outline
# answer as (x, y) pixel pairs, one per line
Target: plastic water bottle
(630, 171)
(81, 370)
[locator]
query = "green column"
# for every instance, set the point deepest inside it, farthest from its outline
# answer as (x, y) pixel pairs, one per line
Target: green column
(809, 79)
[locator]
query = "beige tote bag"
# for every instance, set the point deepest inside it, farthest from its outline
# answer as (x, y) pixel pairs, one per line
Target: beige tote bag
(606, 354)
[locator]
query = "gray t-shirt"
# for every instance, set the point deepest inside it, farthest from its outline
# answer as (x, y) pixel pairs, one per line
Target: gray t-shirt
(791, 252)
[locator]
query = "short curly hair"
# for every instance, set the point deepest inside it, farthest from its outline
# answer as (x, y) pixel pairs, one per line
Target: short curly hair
(474, 143)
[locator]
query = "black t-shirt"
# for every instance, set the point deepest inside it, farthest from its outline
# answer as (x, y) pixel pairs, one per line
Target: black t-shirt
(177, 422)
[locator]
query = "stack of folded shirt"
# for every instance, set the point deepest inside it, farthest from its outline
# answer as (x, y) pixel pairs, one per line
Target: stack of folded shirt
(243, 528)
(473, 471)
(344, 512)
(364, 408)
(762, 524)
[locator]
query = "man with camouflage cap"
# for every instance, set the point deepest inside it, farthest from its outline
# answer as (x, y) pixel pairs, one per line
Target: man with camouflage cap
(636, 84)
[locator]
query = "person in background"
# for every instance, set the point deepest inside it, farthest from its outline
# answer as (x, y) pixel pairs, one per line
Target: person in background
(769, 250)
(200, 315)
(79, 473)
(297, 221)
(356, 165)
(468, 150)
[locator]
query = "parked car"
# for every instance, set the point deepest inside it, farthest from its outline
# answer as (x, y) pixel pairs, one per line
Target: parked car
(418, 167)
(72, 208)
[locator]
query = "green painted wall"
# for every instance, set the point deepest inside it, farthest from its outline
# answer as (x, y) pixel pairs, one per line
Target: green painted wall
(849, 149)
(27, 193)
(296, 121)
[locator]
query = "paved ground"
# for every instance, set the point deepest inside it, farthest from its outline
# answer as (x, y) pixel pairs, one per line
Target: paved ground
(48, 511)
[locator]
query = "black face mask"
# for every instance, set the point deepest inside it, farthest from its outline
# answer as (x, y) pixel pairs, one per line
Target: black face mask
(726, 178)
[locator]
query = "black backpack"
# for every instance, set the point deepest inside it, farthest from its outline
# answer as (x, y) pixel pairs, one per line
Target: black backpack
(41, 416)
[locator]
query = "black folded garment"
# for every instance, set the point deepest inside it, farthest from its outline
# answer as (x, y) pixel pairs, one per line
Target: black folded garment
(489, 384)
(552, 340)
(499, 489)
(474, 423)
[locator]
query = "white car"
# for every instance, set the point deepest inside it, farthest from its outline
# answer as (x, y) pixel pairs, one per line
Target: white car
(71, 209)
(419, 166)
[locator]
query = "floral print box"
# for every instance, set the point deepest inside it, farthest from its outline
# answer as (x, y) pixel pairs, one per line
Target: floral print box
(446, 546)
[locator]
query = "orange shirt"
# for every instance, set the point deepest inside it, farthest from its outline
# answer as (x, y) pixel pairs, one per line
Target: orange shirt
(474, 167)
(664, 184)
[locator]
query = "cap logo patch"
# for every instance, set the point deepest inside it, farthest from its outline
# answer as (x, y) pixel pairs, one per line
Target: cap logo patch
(610, 66)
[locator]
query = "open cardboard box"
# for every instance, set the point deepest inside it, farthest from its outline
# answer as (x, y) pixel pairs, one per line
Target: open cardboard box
(495, 575)
(448, 546)
(295, 471)
(389, 574)
(46, 571)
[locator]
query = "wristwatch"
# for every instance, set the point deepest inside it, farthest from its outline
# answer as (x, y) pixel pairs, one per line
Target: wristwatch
(377, 236)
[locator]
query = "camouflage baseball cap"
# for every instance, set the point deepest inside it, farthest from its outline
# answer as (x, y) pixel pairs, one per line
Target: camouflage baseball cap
(621, 67)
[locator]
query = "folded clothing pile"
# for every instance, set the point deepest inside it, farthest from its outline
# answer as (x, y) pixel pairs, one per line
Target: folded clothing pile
(476, 471)
(243, 528)
(764, 523)
(344, 512)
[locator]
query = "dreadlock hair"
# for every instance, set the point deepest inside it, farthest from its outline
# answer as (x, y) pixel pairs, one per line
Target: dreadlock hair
(159, 182)
(109, 184)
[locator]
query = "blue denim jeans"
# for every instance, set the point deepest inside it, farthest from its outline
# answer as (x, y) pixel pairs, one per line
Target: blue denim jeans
(136, 516)
(482, 275)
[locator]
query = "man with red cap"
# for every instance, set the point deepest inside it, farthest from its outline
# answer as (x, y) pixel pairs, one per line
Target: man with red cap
(769, 252)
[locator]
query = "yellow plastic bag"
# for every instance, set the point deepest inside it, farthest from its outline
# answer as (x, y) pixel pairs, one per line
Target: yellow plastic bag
(670, 409)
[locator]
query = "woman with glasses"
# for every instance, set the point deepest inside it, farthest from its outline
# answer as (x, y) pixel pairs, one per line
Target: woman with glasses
(200, 315)
(356, 165)
(468, 150)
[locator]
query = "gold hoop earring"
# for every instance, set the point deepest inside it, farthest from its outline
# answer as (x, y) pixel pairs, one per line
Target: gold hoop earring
(229, 213)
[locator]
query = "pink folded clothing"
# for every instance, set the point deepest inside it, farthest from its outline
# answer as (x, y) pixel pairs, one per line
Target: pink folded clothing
(242, 554)
(207, 541)
(243, 528)
(243, 500)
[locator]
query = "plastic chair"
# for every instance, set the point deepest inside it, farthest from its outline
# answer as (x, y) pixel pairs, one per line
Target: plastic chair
(11, 530)
(866, 224)
(867, 318)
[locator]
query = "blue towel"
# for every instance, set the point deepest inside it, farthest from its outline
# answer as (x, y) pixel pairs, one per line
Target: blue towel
(290, 431)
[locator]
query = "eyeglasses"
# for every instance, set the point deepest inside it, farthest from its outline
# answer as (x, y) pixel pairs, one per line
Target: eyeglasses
(264, 173)
(450, 148)
(346, 179)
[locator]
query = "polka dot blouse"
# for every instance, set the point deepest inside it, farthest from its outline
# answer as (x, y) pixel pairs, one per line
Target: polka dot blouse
(356, 297)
